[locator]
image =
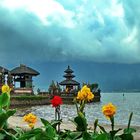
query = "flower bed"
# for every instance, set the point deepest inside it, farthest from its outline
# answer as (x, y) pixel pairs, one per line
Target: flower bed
(52, 130)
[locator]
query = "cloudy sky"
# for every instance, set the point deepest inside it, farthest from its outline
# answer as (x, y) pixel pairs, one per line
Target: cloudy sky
(59, 30)
(44, 31)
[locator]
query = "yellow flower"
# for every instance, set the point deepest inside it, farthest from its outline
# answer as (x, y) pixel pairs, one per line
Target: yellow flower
(90, 96)
(6, 89)
(31, 119)
(85, 94)
(31, 125)
(109, 110)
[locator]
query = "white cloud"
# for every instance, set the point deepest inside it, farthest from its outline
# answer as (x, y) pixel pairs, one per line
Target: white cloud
(44, 9)
(132, 36)
(116, 9)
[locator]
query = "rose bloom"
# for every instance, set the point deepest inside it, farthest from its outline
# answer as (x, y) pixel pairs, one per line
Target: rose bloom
(56, 101)
(85, 94)
(31, 119)
(6, 89)
(109, 110)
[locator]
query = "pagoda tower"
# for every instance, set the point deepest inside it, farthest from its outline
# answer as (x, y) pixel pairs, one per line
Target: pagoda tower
(69, 84)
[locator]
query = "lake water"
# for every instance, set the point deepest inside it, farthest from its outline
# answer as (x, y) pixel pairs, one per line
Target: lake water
(126, 104)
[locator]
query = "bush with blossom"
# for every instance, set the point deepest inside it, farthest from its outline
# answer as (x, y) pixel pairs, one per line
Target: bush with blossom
(50, 130)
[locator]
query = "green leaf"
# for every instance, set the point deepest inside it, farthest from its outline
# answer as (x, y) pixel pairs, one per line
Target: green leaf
(114, 132)
(102, 137)
(80, 122)
(19, 131)
(117, 138)
(2, 136)
(95, 125)
(87, 136)
(50, 131)
(129, 131)
(4, 99)
(95, 135)
(4, 116)
(3, 119)
(54, 123)
(30, 134)
(10, 112)
(8, 135)
(102, 128)
(126, 137)
(75, 135)
(45, 122)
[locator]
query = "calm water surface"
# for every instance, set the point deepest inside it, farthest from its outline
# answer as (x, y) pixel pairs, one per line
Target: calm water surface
(126, 104)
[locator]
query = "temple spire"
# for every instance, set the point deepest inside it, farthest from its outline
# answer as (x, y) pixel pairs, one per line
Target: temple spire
(69, 82)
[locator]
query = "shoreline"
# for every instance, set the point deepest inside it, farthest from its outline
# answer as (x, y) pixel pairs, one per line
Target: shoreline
(18, 121)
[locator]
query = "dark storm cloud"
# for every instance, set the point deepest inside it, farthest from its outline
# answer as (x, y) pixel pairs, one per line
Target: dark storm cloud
(83, 30)
(23, 39)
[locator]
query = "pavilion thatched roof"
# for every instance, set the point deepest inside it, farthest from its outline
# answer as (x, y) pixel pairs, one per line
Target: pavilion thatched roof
(23, 69)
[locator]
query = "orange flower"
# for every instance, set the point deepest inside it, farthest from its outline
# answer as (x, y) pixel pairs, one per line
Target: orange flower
(31, 119)
(109, 110)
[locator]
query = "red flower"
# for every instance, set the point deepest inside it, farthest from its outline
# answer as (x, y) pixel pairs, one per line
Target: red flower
(56, 101)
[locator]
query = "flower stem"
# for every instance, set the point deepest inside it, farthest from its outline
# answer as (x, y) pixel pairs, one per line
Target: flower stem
(112, 126)
(95, 125)
(130, 118)
(112, 122)
(75, 101)
(55, 113)
(57, 117)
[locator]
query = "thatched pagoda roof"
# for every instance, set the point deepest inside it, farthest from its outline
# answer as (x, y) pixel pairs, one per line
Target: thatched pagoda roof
(69, 75)
(69, 78)
(69, 82)
(68, 70)
(3, 70)
(23, 69)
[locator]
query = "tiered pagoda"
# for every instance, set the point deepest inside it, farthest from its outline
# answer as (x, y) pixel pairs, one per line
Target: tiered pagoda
(23, 76)
(69, 84)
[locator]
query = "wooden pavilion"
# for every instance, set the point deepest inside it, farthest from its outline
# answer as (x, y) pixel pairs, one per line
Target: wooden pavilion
(69, 84)
(23, 76)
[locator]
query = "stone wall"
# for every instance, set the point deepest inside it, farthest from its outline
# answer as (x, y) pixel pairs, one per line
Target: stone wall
(20, 101)
(28, 102)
